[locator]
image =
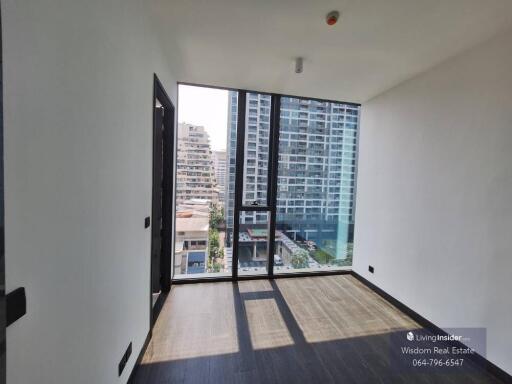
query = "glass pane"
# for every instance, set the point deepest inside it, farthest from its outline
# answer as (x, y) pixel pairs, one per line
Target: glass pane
(253, 243)
(205, 170)
(316, 180)
(257, 130)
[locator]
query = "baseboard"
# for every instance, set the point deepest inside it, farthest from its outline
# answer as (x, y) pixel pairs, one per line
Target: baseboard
(475, 358)
(139, 358)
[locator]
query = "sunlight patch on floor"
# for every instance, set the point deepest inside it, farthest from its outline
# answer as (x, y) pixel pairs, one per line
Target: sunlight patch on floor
(266, 324)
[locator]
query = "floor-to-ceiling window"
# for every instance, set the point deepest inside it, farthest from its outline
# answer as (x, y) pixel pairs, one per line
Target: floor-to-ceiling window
(316, 185)
(265, 183)
(206, 136)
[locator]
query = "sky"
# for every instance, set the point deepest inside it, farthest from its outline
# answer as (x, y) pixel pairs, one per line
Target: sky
(207, 107)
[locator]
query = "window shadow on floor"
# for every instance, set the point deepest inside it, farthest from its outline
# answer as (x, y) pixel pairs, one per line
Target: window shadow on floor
(266, 356)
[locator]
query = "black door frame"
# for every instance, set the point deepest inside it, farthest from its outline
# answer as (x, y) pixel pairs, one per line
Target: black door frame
(168, 141)
(3, 319)
(272, 181)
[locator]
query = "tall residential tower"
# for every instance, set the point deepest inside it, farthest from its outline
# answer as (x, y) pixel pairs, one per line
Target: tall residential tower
(219, 166)
(195, 177)
(316, 173)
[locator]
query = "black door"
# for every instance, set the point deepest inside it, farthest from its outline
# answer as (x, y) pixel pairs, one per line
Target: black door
(156, 229)
(162, 224)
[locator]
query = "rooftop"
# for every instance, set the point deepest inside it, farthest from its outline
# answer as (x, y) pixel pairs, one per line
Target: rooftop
(192, 224)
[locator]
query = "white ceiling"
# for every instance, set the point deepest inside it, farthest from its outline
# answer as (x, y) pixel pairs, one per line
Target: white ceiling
(376, 44)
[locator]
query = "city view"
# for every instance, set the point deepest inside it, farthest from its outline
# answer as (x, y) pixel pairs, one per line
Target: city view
(315, 194)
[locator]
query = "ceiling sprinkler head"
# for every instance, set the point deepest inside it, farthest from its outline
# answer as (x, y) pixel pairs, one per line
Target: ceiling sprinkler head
(332, 17)
(299, 64)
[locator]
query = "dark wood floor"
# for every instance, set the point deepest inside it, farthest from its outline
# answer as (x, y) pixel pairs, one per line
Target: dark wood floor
(330, 329)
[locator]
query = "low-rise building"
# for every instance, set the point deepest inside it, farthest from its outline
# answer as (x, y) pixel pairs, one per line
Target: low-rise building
(191, 244)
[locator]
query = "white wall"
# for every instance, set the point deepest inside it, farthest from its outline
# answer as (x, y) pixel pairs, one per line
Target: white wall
(78, 78)
(434, 212)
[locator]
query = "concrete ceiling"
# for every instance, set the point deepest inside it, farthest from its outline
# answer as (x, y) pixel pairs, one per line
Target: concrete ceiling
(375, 45)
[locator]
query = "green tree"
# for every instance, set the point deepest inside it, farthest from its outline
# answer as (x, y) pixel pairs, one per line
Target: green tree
(300, 259)
(217, 267)
(213, 244)
(216, 216)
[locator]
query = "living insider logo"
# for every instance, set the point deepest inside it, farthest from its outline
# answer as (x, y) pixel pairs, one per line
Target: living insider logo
(434, 338)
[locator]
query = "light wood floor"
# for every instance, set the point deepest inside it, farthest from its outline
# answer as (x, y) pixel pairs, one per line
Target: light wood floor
(330, 329)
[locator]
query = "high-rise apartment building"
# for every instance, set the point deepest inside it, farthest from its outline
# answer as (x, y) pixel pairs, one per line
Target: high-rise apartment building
(219, 166)
(195, 177)
(316, 175)
(229, 200)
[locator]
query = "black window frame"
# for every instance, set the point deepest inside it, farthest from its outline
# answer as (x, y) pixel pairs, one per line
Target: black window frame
(272, 181)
